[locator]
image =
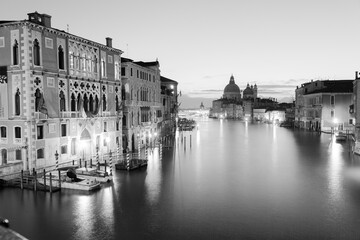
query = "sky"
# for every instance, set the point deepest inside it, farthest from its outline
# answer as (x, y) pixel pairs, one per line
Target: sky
(277, 44)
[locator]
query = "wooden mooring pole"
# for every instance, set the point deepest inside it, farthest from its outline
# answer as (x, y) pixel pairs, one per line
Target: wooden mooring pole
(35, 177)
(22, 179)
(59, 179)
(50, 183)
(44, 180)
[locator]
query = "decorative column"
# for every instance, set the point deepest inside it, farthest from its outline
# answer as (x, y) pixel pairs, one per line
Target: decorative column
(127, 160)
(97, 158)
(110, 162)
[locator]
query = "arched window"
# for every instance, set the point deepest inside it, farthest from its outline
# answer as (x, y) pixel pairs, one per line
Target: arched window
(91, 104)
(96, 104)
(95, 64)
(103, 73)
(18, 155)
(36, 52)
(2, 132)
(76, 60)
(124, 120)
(83, 62)
(62, 102)
(15, 53)
(71, 54)
(132, 118)
(61, 58)
(123, 92)
(89, 67)
(104, 102)
(40, 153)
(17, 102)
(117, 103)
(86, 103)
(73, 146)
(79, 105)
(4, 156)
(73, 103)
(37, 100)
(18, 132)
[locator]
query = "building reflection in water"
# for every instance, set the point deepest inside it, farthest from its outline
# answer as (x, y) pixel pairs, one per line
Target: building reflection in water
(84, 217)
(153, 178)
(335, 167)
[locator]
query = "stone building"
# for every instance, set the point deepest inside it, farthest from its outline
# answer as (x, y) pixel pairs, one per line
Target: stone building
(142, 102)
(59, 93)
(324, 105)
(170, 106)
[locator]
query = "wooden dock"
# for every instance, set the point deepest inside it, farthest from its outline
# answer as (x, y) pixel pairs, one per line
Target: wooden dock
(25, 180)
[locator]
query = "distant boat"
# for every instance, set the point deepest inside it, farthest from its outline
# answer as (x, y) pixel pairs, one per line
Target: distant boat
(340, 136)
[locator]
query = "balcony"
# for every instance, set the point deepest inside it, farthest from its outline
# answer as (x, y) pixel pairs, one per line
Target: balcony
(40, 116)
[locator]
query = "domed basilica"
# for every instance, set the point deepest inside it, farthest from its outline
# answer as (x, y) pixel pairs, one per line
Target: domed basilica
(232, 105)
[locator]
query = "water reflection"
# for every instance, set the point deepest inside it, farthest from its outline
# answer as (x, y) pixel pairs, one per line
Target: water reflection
(84, 217)
(335, 167)
(153, 179)
(239, 181)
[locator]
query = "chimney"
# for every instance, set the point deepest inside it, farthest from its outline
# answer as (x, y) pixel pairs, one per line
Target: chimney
(109, 42)
(42, 19)
(46, 20)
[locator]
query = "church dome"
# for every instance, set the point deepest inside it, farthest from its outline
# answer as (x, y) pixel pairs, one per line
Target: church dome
(232, 91)
(248, 91)
(232, 87)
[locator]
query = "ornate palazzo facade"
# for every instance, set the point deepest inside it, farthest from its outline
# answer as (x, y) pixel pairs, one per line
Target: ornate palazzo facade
(58, 93)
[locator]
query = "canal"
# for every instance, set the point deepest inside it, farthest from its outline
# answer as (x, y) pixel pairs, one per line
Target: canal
(235, 181)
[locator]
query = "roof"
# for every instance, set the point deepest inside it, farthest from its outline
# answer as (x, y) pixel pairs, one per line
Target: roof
(147, 64)
(77, 38)
(164, 79)
(335, 86)
(126, 59)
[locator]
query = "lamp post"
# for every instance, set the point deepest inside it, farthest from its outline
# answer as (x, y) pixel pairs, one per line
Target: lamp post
(56, 160)
(155, 139)
(335, 124)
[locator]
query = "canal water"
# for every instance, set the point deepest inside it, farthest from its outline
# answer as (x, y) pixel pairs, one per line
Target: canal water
(224, 180)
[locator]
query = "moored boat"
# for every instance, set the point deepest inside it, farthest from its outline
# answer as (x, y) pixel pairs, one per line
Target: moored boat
(71, 181)
(93, 173)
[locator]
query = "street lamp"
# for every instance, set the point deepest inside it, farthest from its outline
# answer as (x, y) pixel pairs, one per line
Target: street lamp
(56, 160)
(335, 123)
